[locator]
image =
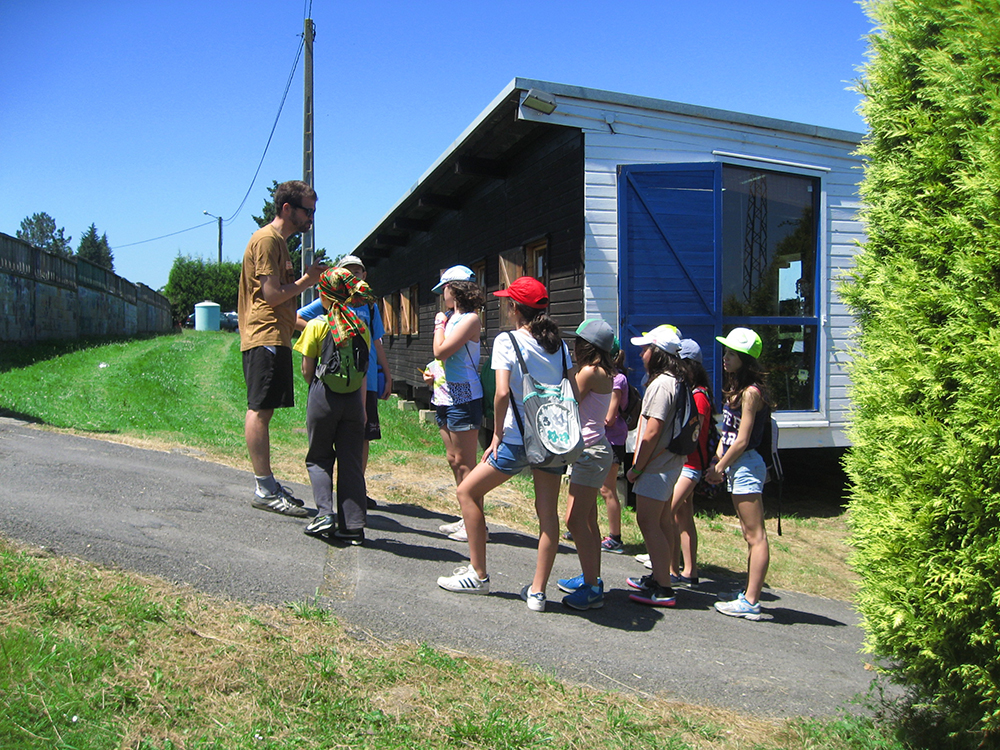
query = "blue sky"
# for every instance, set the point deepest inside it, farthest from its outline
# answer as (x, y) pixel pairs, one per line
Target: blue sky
(138, 116)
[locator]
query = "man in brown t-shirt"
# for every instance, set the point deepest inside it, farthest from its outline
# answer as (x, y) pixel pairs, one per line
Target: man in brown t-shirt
(268, 300)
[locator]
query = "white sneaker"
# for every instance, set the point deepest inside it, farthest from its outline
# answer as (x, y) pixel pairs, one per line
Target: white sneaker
(463, 536)
(451, 528)
(465, 580)
(642, 558)
(536, 602)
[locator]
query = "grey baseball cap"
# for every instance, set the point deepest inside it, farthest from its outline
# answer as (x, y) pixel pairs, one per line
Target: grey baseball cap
(598, 333)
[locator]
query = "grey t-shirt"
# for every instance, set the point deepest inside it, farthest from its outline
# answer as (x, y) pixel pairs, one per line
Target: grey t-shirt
(659, 403)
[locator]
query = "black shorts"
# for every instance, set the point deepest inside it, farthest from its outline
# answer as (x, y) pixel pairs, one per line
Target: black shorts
(619, 451)
(269, 378)
(373, 429)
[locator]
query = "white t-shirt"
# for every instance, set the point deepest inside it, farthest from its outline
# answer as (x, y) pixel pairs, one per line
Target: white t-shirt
(544, 367)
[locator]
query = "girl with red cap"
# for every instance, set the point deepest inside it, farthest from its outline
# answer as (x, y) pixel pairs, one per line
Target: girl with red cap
(538, 340)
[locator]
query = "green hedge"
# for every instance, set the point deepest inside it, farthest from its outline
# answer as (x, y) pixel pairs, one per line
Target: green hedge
(925, 466)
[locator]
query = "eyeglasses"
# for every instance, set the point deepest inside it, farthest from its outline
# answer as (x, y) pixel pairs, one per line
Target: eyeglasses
(309, 211)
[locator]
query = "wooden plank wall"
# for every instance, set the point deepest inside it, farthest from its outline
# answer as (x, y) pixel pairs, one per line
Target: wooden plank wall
(541, 197)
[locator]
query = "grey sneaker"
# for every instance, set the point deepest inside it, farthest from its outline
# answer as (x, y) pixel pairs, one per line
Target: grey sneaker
(739, 607)
(320, 525)
(280, 502)
(287, 495)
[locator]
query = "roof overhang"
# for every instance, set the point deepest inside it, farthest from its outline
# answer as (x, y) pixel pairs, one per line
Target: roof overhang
(504, 128)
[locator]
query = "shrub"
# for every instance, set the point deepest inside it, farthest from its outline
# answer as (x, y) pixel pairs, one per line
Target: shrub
(925, 462)
(193, 280)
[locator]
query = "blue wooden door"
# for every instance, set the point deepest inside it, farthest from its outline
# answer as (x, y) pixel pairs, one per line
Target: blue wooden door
(670, 229)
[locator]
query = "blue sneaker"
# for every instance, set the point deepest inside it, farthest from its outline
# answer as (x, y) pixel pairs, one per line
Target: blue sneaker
(569, 585)
(586, 597)
(739, 607)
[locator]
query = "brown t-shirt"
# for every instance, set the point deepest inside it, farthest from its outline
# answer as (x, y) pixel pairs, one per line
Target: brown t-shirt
(261, 324)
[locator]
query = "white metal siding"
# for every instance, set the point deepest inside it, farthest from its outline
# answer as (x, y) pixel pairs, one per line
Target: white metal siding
(636, 136)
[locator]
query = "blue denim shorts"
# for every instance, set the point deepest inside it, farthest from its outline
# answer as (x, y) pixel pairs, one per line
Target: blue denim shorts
(460, 417)
(746, 476)
(511, 459)
(692, 473)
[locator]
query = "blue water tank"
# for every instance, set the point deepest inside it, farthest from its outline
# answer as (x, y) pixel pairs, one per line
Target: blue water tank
(206, 316)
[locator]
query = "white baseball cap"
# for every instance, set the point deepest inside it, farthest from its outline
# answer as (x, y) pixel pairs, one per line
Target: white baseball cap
(351, 260)
(455, 273)
(665, 337)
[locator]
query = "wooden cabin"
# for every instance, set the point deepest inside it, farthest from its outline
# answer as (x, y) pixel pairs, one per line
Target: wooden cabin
(639, 211)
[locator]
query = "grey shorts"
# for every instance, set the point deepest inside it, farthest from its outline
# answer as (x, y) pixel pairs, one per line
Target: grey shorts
(657, 486)
(593, 464)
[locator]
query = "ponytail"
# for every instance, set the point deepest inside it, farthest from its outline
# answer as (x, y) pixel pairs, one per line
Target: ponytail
(541, 327)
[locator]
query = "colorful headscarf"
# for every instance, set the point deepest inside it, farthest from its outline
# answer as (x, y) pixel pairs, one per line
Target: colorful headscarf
(342, 289)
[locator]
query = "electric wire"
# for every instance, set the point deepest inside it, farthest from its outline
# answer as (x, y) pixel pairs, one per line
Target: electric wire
(288, 85)
(277, 117)
(163, 236)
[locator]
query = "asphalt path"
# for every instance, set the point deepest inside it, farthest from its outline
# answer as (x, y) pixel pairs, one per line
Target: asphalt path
(190, 521)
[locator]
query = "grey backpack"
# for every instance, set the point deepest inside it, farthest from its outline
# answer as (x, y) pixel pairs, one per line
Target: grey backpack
(551, 425)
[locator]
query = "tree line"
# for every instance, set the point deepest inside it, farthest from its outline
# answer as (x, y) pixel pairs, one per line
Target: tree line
(40, 231)
(192, 280)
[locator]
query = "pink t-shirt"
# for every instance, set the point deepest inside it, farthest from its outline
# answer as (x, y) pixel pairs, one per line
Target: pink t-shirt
(593, 410)
(618, 431)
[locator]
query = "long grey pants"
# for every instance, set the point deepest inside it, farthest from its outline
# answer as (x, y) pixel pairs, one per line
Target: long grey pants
(336, 428)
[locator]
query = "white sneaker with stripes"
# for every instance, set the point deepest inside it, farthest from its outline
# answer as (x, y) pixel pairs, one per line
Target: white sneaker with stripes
(465, 580)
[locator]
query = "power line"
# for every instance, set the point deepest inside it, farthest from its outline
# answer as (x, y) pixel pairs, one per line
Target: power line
(284, 96)
(288, 85)
(163, 236)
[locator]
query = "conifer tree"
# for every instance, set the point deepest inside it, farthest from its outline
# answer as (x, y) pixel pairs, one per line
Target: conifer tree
(96, 249)
(925, 461)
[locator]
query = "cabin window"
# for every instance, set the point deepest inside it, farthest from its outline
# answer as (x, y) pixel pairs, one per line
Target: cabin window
(390, 314)
(535, 261)
(408, 318)
(527, 260)
(770, 243)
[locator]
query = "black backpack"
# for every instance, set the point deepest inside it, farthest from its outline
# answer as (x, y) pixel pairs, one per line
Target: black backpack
(687, 422)
(768, 449)
(630, 414)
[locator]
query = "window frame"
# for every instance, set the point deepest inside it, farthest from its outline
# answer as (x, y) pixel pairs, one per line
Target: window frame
(816, 321)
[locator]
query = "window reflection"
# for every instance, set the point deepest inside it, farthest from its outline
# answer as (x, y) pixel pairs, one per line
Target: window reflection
(769, 247)
(768, 243)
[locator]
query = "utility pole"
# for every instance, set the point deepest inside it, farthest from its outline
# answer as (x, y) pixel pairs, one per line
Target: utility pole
(220, 231)
(308, 238)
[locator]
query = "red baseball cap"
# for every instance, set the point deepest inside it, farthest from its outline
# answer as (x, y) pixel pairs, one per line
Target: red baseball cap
(527, 291)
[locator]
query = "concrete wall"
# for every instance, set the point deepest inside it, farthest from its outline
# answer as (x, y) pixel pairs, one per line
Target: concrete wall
(46, 296)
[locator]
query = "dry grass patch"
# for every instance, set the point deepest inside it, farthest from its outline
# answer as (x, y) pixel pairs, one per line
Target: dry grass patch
(103, 658)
